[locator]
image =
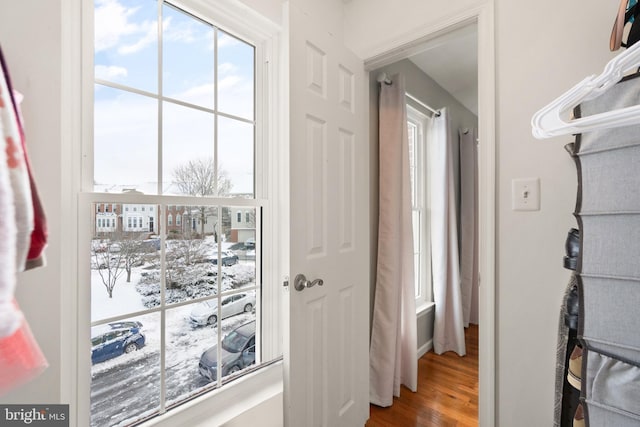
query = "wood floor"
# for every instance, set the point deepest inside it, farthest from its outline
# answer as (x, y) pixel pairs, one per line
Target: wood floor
(447, 393)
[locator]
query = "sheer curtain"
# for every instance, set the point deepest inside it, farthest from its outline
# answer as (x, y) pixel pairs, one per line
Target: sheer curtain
(448, 334)
(393, 352)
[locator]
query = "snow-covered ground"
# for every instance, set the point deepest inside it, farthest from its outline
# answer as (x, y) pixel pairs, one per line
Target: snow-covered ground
(129, 384)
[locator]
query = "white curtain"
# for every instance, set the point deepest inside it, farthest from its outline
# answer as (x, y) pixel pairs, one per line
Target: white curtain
(469, 224)
(393, 352)
(448, 334)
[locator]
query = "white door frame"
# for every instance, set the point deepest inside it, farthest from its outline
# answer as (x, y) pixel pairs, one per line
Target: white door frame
(402, 48)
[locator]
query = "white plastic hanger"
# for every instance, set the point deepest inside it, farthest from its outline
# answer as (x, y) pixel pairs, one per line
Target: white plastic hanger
(548, 122)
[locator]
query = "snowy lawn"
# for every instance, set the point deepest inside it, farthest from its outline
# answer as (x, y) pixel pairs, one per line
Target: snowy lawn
(133, 379)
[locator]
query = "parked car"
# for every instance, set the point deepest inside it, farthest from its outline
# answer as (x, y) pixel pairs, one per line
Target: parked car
(151, 245)
(206, 312)
(112, 340)
(238, 352)
(228, 258)
(250, 243)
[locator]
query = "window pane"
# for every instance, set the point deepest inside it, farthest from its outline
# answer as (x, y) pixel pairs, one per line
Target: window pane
(236, 154)
(185, 344)
(125, 141)
(235, 76)
(417, 251)
(125, 372)
(187, 58)
(190, 269)
(120, 260)
(239, 336)
(188, 151)
(126, 43)
(413, 163)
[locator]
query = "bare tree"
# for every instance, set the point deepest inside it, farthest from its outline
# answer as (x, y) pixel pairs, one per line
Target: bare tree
(132, 250)
(199, 178)
(122, 252)
(183, 254)
(109, 262)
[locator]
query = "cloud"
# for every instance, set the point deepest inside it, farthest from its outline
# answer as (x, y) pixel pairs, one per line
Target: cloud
(225, 40)
(229, 82)
(115, 23)
(150, 36)
(226, 68)
(111, 72)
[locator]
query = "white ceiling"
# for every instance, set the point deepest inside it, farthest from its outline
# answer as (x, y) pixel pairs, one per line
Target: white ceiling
(452, 61)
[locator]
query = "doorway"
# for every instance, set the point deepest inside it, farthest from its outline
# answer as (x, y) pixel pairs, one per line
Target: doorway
(480, 24)
(443, 74)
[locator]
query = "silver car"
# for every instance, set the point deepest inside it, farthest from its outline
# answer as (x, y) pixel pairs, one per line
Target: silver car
(206, 312)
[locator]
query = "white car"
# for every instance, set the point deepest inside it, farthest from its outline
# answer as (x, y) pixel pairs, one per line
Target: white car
(206, 312)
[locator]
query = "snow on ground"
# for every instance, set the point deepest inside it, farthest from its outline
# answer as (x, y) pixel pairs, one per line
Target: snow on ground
(184, 341)
(125, 297)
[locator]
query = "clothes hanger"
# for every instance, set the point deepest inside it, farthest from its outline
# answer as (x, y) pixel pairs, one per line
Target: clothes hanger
(548, 121)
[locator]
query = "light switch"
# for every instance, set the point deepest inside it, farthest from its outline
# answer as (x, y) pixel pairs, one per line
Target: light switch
(525, 194)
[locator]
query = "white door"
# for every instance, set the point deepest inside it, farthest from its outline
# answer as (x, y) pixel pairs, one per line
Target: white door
(327, 347)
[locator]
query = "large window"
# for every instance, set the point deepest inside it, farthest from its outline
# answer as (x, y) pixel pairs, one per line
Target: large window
(177, 303)
(417, 135)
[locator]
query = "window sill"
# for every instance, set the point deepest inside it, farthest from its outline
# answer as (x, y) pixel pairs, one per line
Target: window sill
(223, 406)
(423, 308)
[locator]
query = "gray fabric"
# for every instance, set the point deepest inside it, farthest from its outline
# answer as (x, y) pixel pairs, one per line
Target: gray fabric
(610, 180)
(611, 245)
(624, 94)
(611, 384)
(469, 256)
(604, 416)
(608, 211)
(610, 321)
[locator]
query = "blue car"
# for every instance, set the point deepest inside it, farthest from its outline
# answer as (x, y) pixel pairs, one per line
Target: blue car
(112, 340)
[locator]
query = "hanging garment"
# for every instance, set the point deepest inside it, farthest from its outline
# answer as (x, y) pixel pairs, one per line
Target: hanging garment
(37, 220)
(608, 212)
(18, 173)
(20, 356)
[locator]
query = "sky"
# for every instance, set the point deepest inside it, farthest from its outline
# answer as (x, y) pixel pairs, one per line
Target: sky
(126, 123)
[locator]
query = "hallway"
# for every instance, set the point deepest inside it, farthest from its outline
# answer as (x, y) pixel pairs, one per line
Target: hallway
(447, 392)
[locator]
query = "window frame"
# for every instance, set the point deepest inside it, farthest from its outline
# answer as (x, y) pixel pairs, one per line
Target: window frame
(248, 25)
(424, 297)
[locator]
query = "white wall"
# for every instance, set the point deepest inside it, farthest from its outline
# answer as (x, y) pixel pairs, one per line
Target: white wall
(542, 49)
(538, 58)
(372, 26)
(31, 45)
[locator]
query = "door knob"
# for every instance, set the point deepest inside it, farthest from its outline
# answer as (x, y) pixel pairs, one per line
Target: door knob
(301, 282)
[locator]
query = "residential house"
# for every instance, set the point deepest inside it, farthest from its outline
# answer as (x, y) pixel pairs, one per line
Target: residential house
(243, 225)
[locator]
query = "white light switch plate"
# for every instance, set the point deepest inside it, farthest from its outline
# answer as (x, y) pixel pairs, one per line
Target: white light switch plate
(525, 194)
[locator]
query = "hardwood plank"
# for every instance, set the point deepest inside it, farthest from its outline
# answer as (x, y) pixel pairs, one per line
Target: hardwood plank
(447, 393)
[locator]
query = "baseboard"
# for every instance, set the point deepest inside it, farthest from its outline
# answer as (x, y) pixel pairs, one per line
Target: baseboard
(425, 348)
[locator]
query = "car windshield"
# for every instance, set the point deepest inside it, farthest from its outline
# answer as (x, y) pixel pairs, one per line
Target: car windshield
(234, 342)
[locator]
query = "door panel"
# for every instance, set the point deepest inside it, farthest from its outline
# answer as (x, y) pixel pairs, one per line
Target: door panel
(327, 346)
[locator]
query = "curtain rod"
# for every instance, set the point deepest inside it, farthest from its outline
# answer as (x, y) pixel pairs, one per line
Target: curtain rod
(382, 78)
(416, 100)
